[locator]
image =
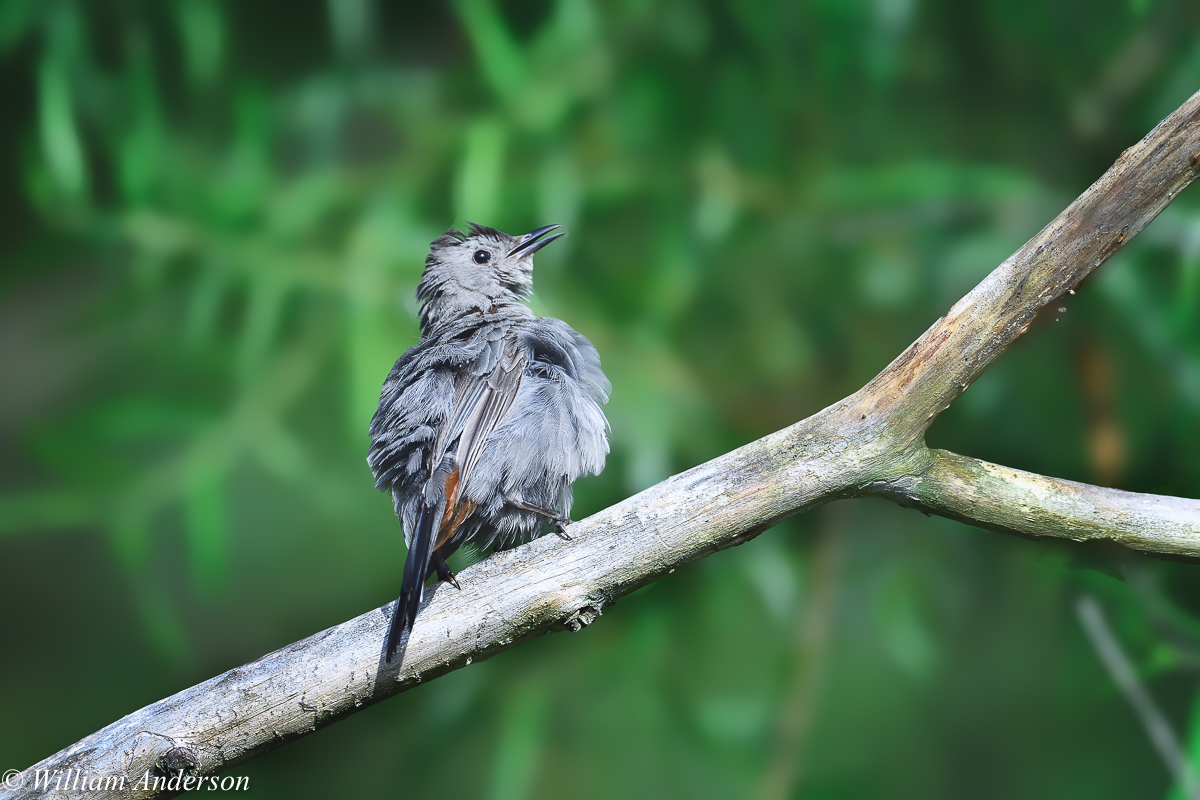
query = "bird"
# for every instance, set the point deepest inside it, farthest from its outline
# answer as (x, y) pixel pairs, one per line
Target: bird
(483, 425)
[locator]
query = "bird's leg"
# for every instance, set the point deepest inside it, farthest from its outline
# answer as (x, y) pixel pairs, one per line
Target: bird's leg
(561, 521)
(444, 573)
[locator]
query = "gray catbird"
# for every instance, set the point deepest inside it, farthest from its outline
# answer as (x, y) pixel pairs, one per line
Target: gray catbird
(484, 425)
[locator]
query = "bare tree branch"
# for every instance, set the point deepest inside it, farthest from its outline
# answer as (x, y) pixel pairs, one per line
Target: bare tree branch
(870, 443)
(1158, 727)
(939, 366)
(1013, 501)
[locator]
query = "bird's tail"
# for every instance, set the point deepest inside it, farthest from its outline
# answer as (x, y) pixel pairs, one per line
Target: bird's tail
(420, 553)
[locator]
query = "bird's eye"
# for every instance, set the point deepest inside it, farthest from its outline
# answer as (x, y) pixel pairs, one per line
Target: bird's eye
(482, 256)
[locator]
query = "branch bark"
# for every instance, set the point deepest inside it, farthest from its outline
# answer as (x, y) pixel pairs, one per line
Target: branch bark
(871, 443)
(1013, 501)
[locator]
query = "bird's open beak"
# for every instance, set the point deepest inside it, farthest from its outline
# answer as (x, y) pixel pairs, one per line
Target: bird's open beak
(535, 240)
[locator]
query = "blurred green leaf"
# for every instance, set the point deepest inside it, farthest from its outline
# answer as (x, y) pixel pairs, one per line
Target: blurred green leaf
(203, 34)
(141, 154)
(522, 721)
(352, 23)
(479, 185)
(60, 139)
(263, 312)
(207, 526)
(16, 18)
(906, 632)
(35, 511)
(498, 54)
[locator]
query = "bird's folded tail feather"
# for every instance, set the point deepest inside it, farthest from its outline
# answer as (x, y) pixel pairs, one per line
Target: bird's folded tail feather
(420, 554)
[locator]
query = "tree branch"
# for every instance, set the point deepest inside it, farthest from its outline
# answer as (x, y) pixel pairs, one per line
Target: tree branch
(1013, 501)
(938, 367)
(869, 443)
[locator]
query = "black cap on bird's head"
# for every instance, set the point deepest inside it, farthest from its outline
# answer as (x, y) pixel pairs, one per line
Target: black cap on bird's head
(478, 270)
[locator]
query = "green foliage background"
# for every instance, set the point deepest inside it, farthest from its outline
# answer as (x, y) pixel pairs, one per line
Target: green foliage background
(214, 215)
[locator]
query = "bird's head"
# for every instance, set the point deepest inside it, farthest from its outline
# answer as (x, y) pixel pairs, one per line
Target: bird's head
(477, 271)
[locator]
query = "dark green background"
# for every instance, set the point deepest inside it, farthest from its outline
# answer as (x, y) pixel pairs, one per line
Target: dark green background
(212, 219)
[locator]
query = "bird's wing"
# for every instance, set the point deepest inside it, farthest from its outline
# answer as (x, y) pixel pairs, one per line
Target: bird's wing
(498, 392)
(481, 402)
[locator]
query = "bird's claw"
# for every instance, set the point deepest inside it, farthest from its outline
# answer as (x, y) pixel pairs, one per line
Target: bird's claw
(560, 527)
(444, 574)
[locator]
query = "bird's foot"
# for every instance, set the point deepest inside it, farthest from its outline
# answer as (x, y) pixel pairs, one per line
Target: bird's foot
(560, 527)
(444, 574)
(561, 521)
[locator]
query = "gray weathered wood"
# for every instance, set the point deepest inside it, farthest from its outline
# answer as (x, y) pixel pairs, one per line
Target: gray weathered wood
(1010, 500)
(869, 443)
